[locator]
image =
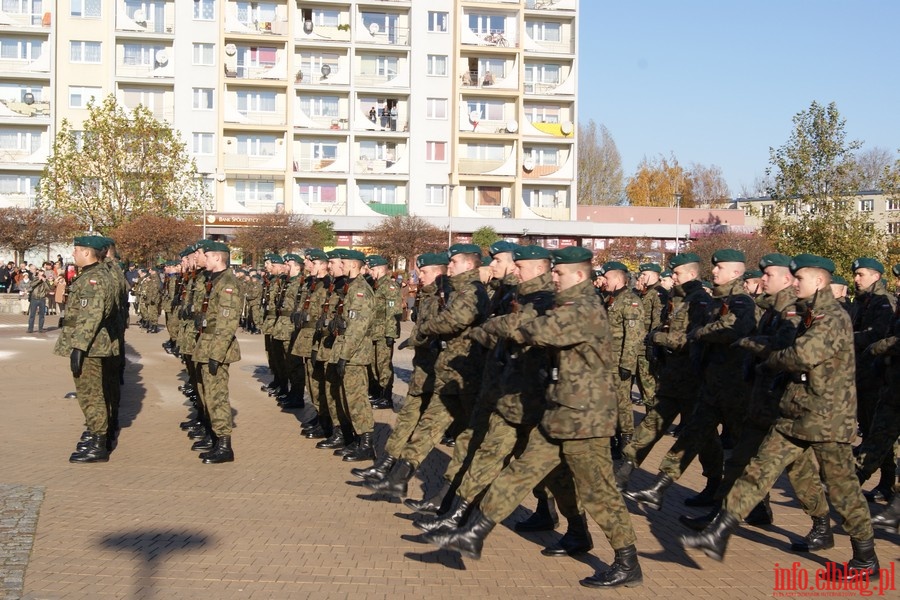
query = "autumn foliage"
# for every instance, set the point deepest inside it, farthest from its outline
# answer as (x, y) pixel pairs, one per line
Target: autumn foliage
(150, 239)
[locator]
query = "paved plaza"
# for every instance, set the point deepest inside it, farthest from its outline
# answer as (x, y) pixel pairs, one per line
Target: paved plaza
(286, 520)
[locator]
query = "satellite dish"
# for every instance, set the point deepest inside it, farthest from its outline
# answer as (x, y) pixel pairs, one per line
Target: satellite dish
(230, 49)
(161, 57)
(528, 164)
(566, 127)
(474, 115)
(512, 126)
(140, 16)
(373, 28)
(28, 98)
(326, 71)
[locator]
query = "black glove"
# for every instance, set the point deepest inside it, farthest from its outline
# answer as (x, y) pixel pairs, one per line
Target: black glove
(624, 374)
(341, 367)
(312, 355)
(76, 361)
(213, 366)
(389, 341)
(297, 319)
(403, 345)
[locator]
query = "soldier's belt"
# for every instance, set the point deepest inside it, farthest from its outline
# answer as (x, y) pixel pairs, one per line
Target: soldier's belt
(209, 329)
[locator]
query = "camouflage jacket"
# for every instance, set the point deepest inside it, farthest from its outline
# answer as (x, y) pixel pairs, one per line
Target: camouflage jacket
(324, 338)
(283, 328)
(626, 323)
(195, 292)
(523, 370)
(274, 297)
(872, 312)
(819, 404)
(425, 350)
(654, 300)
(219, 321)
(352, 326)
(388, 307)
(309, 311)
(90, 323)
(688, 310)
(581, 401)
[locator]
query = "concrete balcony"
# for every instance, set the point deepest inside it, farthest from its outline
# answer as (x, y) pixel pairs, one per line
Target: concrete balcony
(22, 112)
(255, 163)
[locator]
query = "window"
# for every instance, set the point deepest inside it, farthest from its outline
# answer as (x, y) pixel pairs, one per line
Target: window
(487, 110)
(892, 204)
(18, 184)
(255, 13)
(20, 49)
(79, 96)
(203, 98)
(436, 151)
(84, 52)
(485, 24)
(85, 9)
(438, 22)
(256, 145)
(866, 205)
(437, 65)
(255, 195)
(543, 155)
(375, 150)
(202, 143)
(790, 209)
(152, 99)
(320, 106)
(894, 227)
(204, 10)
(544, 31)
(22, 140)
(325, 17)
(24, 7)
(256, 101)
(318, 193)
(204, 54)
(382, 66)
(541, 198)
(435, 195)
(436, 108)
(540, 77)
(485, 152)
(143, 55)
(495, 66)
(487, 195)
(542, 113)
(382, 194)
(767, 209)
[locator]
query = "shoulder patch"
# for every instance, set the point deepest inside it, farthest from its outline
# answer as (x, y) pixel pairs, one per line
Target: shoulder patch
(229, 290)
(635, 304)
(360, 295)
(92, 281)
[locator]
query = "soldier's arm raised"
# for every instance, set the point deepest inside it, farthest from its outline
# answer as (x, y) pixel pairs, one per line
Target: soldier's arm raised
(809, 350)
(93, 299)
(740, 321)
(461, 313)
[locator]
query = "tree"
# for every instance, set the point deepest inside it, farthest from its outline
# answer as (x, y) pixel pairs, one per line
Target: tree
(150, 238)
(753, 245)
(322, 234)
(629, 251)
(275, 232)
(22, 229)
(815, 182)
(707, 185)
(405, 237)
(659, 183)
(870, 167)
(484, 237)
(122, 165)
(600, 178)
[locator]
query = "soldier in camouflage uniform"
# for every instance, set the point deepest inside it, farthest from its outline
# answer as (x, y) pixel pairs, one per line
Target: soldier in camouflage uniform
(871, 313)
(385, 327)
(839, 287)
(654, 299)
(284, 331)
(152, 291)
(816, 412)
(625, 313)
(114, 374)
(724, 394)
(277, 291)
(194, 295)
(171, 296)
(457, 370)
(254, 306)
(217, 347)
(576, 426)
(88, 339)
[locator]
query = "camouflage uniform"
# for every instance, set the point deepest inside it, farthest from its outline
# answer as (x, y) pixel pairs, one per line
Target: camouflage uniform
(654, 300)
(194, 294)
(388, 307)
(274, 348)
(283, 332)
(170, 301)
(817, 411)
(332, 383)
(152, 299)
(309, 311)
(580, 417)
(91, 326)
(114, 374)
(626, 315)
(254, 290)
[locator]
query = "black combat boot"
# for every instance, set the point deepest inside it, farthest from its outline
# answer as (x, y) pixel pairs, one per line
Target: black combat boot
(397, 480)
(84, 441)
(702, 522)
(544, 518)
(207, 443)
(761, 514)
(714, 539)
(889, 519)
(386, 400)
(291, 401)
(884, 491)
(189, 424)
(431, 504)
(623, 474)
(625, 571)
(707, 496)
(349, 448)
(317, 432)
(819, 537)
(451, 519)
(335, 441)
(378, 471)
(468, 540)
(222, 452)
(95, 451)
(198, 432)
(364, 450)
(652, 496)
(576, 540)
(863, 566)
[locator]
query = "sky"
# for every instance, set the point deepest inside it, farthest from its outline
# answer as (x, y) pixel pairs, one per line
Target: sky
(718, 82)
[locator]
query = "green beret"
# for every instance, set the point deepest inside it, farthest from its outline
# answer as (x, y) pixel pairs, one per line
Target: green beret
(486, 260)
(464, 249)
(275, 259)
(752, 275)
(803, 261)
(97, 242)
(612, 265)
(727, 255)
(649, 267)
(530, 253)
(433, 259)
(595, 273)
(683, 259)
(337, 253)
(108, 241)
(707, 284)
(316, 254)
(665, 273)
(868, 263)
(187, 251)
(202, 245)
(501, 247)
(290, 256)
(354, 255)
(374, 260)
(837, 279)
(572, 255)
(172, 263)
(213, 246)
(896, 270)
(774, 260)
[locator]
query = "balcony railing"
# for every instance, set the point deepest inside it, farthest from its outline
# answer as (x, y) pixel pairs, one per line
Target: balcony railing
(322, 33)
(474, 166)
(18, 200)
(10, 108)
(149, 71)
(233, 115)
(276, 27)
(274, 162)
(302, 165)
(394, 36)
(41, 65)
(25, 19)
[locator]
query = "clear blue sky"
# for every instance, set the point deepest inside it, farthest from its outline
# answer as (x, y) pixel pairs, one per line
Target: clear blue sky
(717, 82)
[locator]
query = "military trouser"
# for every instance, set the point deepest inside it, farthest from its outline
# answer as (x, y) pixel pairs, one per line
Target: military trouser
(407, 419)
(469, 440)
(590, 461)
(334, 386)
(91, 398)
(354, 386)
(172, 325)
(278, 358)
(625, 410)
(654, 426)
(112, 392)
(803, 473)
(877, 448)
(215, 397)
(294, 370)
(502, 441)
(646, 380)
(443, 409)
(315, 383)
(383, 367)
(776, 452)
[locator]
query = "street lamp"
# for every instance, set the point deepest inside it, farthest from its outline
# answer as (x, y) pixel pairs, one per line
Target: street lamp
(677, 218)
(217, 177)
(450, 188)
